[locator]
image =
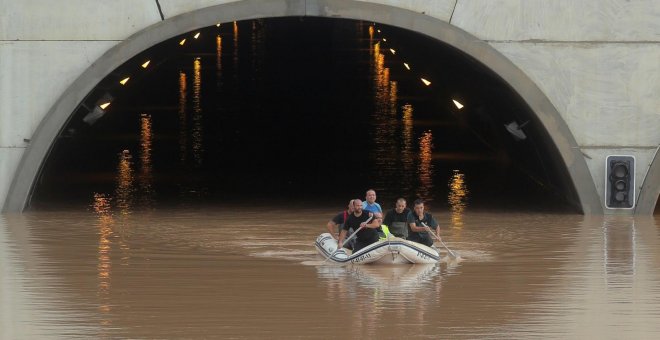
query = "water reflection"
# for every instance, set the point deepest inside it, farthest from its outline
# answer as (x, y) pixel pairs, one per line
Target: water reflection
(407, 152)
(457, 198)
(146, 176)
(183, 119)
(235, 55)
(393, 153)
(619, 239)
(197, 118)
(395, 280)
(385, 153)
(425, 168)
(406, 293)
(124, 191)
(102, 208)
(257, 47)
(218, 61)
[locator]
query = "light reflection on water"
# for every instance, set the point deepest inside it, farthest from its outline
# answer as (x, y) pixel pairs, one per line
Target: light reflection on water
(212, 272)
(125, 190)
(197, 117)
(235, 54)
(425, 167)
(457, 198)
(146, 171)
(218, 60)
(183, 119)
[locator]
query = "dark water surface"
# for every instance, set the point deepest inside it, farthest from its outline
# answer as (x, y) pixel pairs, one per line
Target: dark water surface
(240, 272)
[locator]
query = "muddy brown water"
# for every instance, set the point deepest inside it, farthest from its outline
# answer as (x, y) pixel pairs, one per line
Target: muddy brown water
(240, 272)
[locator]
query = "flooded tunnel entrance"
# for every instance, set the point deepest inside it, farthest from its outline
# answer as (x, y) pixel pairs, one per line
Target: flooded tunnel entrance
(304, 110)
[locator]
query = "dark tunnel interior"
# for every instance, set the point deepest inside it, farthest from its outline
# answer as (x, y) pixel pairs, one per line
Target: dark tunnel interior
(304, 110)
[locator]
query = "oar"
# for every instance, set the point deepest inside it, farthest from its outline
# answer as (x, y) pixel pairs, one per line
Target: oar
(389, 245)
(451, 253)
(350, 237)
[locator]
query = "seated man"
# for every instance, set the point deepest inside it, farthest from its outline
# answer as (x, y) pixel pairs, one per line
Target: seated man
(358, 219)
(337, 223)
(369, 203)
(397, 219)
(416, 231)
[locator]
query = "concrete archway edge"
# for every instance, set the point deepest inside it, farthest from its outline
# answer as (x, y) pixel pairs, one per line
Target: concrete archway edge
(56, 118)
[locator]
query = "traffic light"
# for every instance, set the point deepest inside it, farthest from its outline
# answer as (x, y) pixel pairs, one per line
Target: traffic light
(620, 182)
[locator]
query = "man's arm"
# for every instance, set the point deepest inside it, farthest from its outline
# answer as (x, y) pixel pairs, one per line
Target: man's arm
(342, 236)
(375, 223)
(331, 228)
(415, 228)
(413, 225)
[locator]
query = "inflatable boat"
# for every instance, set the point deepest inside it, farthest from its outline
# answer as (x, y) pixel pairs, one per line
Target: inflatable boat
(387, 251)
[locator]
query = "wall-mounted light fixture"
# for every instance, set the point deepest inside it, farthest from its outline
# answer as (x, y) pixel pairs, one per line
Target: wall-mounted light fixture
(100, 108)
(516, 130)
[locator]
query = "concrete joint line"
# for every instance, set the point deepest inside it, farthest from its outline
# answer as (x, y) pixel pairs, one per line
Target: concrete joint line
(160, 11)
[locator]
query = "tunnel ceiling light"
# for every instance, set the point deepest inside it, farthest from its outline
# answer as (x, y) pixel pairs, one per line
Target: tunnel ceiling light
(426, 82)
(407, 66)
(146, 63)
(385, 40)
(378, 31)
(217, 25)
(124, 81)
(99, 109)
(197, 35)
(458, 104)
(392, 50)
(183, 41)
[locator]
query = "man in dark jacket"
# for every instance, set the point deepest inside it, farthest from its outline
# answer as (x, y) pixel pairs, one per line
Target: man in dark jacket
(396, 219)
(416, 230)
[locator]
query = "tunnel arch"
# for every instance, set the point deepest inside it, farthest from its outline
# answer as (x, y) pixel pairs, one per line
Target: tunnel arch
(56, 118)
(648, 201)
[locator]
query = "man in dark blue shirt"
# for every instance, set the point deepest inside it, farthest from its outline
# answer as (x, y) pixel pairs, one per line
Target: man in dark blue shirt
(416, 230)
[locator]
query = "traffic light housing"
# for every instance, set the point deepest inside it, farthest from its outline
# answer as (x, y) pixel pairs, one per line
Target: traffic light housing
(620, 182)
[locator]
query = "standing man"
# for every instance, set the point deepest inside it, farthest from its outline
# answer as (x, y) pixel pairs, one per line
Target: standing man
(337, 222)
(370, 202)
(416, 231)
(397, 219)
(357, 219)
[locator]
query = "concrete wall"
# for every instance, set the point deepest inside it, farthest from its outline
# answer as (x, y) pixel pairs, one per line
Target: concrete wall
(597, 62)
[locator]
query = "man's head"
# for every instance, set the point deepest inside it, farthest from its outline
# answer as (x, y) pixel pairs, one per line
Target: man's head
(400, 205)
(378, 216)
(419, 207)
(350, 206)
(371, 196)
(357, 206)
